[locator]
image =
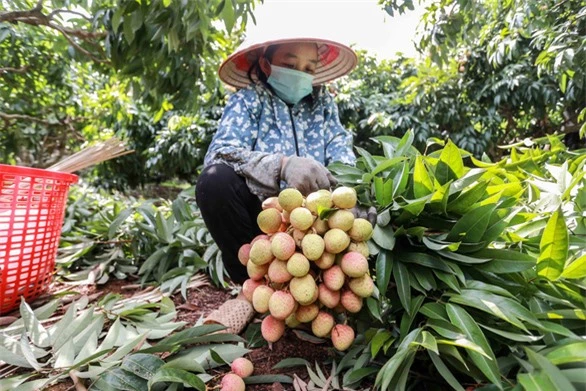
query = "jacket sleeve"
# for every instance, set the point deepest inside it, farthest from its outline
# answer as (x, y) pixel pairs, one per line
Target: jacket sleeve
(338, 139)
(234, 141)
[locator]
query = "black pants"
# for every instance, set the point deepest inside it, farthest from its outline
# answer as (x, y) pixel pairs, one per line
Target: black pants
(229, 210)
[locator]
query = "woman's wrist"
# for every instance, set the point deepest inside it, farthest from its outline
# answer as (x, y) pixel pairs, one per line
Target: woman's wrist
(283, 163)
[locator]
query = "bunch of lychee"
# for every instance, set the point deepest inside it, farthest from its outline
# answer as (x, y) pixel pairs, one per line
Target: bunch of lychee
(307, 269)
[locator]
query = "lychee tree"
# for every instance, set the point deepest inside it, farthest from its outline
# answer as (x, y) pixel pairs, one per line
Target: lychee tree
(479, 267)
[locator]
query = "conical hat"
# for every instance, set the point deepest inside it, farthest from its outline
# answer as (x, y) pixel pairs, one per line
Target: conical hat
(335, 60)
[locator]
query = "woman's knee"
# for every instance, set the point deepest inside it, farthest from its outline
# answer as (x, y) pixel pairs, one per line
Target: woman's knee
(216, 180)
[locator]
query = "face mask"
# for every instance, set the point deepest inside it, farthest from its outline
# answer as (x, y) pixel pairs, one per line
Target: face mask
(289, 84)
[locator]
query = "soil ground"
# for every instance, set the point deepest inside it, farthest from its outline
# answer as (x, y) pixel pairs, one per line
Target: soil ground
(200, 302)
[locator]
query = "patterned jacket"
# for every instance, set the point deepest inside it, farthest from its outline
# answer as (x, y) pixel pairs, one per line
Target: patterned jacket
(258, 129)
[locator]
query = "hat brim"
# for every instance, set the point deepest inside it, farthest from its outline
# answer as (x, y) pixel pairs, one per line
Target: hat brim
(336, 60)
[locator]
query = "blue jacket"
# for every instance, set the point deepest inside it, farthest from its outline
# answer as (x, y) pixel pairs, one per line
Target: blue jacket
(258, 129)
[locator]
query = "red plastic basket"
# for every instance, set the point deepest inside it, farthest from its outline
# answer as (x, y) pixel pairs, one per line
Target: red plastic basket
(32, 205)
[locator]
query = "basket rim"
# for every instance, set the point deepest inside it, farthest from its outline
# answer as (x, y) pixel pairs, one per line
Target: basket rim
(37, 172)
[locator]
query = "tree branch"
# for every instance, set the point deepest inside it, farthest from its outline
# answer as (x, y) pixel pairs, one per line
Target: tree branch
(15, 117)
(14, 70)
(62, 11)
(35, 17)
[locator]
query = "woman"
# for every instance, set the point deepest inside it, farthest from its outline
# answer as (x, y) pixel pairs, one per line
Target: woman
(279, 130)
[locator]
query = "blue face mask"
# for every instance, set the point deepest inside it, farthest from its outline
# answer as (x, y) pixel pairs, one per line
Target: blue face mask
(289, 84)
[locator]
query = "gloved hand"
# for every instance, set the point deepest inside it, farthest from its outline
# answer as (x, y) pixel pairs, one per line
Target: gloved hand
(365, 213)
(306, 175)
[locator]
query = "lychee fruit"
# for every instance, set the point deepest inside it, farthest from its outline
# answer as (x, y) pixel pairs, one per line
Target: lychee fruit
(244, 253)
(342, 219)
(261, 297)
(259, 237)
(336, 241)
(362, 286)
(313, 246)
(256, 272)
(322, 324)
(298, 265)
(328, 297)
(292, 321)
(306, 313)
(301, 218)
(360, 247)
(350, 301)
(290, 199)
(272, 202)
(344, 197)
(303, 289)
(242, 367)
(248, 288)
(317, 200)
(282, 245)
(361, 230)
(232, 382)
(354, 264)
(342, 336)
(278, 271)
(260, 252)
(269, 220)
(333, 278)
(272, 329)
(281, 305)
(320, 226)
(325, 261)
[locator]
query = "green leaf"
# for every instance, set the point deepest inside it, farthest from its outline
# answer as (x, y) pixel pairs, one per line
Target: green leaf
(552, 372)
(487, 364)
(570, 353)
(358, 374)
(378, 341)
(384, 236)
(262, 379)
(11, 358)
(576, 269)
(117, 18)
(467, 199)
(142, 365)
(445, 371)
(428, 342)
(537, 381)
(384, 266)
(386, 164)
(504, 308)
(553, 247)
(422, 184)
(445, 329)
(120, 379)
(122, 216)
(197, 357)
(228, 15)
(38, 335)
(472, 226)
(434, 311)
(512, 336)
(383, 191)
(450, 165)
(401, 275)
(177, 375)
(291, 362)
(504, 261)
